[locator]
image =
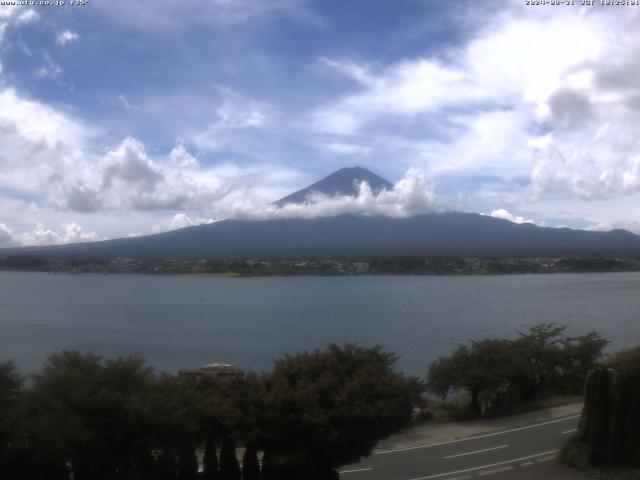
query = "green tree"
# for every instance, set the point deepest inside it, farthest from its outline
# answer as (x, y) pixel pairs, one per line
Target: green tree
(229, 467)
(210, 470)
(541, 346)
(324, 409)
(581, 355)
(486, 369)
(10, 393)
(250, 464)
(187, 463)
(87, 413)
(600, 410)
(174, 418)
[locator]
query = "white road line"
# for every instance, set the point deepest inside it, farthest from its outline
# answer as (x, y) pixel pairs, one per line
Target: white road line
(545, 459)
(570, 431)
(438, 475)
(495, 470)
(355, 470)
(382, 452)
(477, 451)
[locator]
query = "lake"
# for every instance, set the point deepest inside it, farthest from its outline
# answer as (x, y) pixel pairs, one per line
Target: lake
(185, 321)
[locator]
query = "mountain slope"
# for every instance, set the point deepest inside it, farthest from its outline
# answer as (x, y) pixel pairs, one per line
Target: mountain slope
(460, 234)
(340, 182)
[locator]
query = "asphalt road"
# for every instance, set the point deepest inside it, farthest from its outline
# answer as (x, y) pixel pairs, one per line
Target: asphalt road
(499, 452)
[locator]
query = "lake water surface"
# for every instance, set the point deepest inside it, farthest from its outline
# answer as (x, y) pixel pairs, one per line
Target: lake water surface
(184, 321)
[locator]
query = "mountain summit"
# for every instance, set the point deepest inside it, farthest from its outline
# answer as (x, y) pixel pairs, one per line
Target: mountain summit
(341, 182)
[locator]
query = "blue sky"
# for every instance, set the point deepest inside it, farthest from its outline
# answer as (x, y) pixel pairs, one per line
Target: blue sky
(124, 118)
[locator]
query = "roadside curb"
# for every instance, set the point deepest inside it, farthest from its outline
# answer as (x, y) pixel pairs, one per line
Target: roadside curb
(429, 434)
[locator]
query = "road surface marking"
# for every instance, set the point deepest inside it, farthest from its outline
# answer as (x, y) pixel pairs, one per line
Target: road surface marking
(570, 431)
(381, 452)
(438, 475)
(477, 451)
(545, 459)
(355, 470)
(495, 470)
(526, 464)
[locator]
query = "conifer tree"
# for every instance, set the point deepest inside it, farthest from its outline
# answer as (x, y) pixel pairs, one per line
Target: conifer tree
(187, 464)
(600, 411)
(250, 464)
(229, 468)
(617, 443)
(210, 461)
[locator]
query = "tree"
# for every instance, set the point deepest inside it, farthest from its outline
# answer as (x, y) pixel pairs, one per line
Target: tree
(544, 358)
(187, 464)
(88, 413)
(174, 418)
(324, 409)
(486, 369)
(581, 356)
(502, 372)
(10, 391)
(229, 468)
(250, 464)
(210, 469)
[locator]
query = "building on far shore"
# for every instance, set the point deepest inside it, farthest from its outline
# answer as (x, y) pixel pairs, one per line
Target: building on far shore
(212, 371)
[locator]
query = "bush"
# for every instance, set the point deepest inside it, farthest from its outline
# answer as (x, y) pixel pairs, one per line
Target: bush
(575, 453)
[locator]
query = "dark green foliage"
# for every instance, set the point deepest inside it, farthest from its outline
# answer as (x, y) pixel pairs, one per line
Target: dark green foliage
(210, 460)
(166, 465)
(187, 464)
(90, 413)
(229, 467)
(23, 262)
(632, 451)
(250, 464)
(10, 391)
(609, 430)
(621, 404)
(598, 436)
(328, 408)
(500, 373)
(626, 362)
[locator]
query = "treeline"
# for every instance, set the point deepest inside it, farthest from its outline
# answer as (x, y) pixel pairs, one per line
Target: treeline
(609, 431)
(329, 266)
(499, 373)
(87, 418)
(24, 262)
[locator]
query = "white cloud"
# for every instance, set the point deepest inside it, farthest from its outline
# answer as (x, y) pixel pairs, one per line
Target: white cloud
(28, 16)
(15, 16)
(412, 195)
(180, 220)
(6, 234)
(40, 235)
(66, 36)
(181, 157)
(506, 215)
(341, 148)
(51, 71)
(70, 233)
(545, 95)
(235, 114)
(632, 225)
(124, 101)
